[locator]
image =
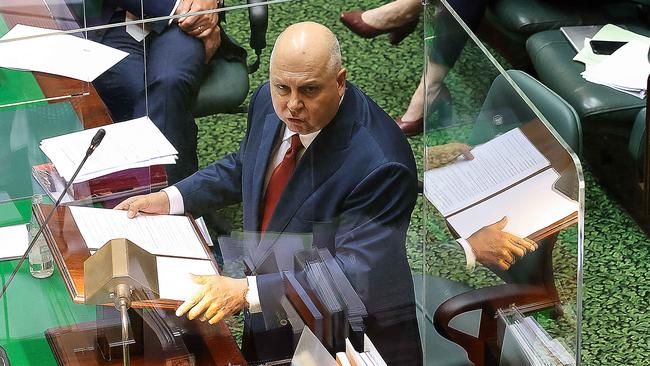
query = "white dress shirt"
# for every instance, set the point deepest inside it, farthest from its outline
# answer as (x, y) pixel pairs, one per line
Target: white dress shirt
(176, 206)
(140, 31)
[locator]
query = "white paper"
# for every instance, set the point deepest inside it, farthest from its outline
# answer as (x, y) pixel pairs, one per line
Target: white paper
(497, 164)
(530, 206)
(59, 54)
(158, 234)
(174, 279)
(311, 352)
(131, 144)
(14, 241)
(626, 69)
(608, 32)
(372, 352)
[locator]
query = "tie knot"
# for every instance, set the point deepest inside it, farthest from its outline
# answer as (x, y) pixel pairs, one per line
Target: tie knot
(295, 142)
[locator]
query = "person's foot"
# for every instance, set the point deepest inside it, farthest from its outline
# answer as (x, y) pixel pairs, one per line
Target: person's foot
(399, 18)
(412, 122)
(389, 16)
(411, 128)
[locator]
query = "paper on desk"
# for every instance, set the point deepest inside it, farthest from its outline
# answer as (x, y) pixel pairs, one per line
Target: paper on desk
(174, 279)
(131, 144)
(158, 234)
(59, 54)
(609, 32)
(530, 206)
(14, 241)
(626, 70)
(497, 164)
(311, 352)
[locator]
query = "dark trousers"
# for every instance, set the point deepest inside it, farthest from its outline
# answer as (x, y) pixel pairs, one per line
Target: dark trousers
(166, 92)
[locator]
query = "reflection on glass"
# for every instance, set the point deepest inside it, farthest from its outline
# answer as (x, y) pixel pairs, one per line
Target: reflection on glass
(504, 200)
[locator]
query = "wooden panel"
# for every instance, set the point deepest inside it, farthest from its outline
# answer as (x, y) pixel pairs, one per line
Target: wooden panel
(87, 104)
(207, 345)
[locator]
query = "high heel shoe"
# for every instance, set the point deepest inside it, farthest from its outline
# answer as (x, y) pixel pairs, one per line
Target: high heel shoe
(353, 20)
(439, 112)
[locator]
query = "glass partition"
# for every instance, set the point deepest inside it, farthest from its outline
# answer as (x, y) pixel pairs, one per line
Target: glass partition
(503, 225)
(49, 119)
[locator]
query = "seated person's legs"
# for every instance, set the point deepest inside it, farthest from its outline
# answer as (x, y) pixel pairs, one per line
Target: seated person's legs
(174, 73)
(121, 86)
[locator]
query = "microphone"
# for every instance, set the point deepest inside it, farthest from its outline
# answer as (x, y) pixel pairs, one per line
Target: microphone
(97, 139)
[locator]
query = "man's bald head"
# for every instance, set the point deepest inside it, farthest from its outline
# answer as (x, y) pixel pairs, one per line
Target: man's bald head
(307, 80)
(310, 43)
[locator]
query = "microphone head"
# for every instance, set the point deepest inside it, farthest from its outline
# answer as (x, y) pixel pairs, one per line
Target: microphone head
(97, 139)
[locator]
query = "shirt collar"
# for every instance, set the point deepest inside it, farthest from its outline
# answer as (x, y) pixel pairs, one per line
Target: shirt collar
(307, 139)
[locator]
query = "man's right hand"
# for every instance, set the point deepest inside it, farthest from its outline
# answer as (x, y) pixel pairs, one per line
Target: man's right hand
(155, 203)
(496, 248)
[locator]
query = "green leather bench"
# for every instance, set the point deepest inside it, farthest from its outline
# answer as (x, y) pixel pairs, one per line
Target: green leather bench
(513, 21)
(607, 115)
(225, 85)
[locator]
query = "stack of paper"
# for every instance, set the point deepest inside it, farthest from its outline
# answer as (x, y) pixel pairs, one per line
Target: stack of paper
(50, 51)
(369, 357)
(133, 144)
(172, 239)
(626, 69)
(527, 343)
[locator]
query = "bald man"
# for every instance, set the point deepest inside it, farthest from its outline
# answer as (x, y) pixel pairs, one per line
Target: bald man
(318, 156)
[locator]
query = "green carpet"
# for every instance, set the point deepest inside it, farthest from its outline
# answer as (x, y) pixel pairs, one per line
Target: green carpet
(616, 323)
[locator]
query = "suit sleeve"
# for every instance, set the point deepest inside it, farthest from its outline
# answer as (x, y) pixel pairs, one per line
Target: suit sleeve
(219, 184)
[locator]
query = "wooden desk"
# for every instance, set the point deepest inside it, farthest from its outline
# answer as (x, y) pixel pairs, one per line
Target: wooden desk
(88, 105)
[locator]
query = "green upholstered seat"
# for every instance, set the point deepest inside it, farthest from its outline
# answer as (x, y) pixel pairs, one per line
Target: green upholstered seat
(430, 292)
(224, 88)
(503, 99)
(226, 84)
(636, 144)
(601, 109)
(527, 17)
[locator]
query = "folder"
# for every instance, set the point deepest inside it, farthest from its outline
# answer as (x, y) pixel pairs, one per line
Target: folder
(70, 249)
(303, 304)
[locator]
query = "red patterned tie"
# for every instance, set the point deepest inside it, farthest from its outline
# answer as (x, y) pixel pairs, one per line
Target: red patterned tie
(279, 179)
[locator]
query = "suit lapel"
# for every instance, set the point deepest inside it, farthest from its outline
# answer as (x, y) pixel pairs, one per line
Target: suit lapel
(319, 162)
(271, 129)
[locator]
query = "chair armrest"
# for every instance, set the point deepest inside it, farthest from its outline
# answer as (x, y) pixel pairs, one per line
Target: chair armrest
(488, 299)
(259, 22)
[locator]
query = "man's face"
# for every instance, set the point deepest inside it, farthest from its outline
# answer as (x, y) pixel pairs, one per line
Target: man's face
(305, 95)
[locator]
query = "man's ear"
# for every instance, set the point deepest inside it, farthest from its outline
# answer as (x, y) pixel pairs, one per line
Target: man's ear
(340, 80)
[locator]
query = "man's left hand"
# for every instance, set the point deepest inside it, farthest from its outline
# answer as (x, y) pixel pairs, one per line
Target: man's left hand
(211, 44)
(219, 297)
(198, 26)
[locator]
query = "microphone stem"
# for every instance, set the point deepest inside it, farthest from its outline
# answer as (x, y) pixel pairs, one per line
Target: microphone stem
(42, 227)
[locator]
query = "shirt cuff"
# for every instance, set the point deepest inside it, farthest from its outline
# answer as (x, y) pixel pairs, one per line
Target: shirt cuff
(178, 2)
(252, 296)
(470, 257)
(176, 206)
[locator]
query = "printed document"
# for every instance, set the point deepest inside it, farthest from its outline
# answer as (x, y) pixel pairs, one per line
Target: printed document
(158, 234)
(497, 164)
(132, 144)
(47, 50)
(174, 278)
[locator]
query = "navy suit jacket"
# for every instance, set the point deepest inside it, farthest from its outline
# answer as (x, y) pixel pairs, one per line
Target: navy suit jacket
(356, 181)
